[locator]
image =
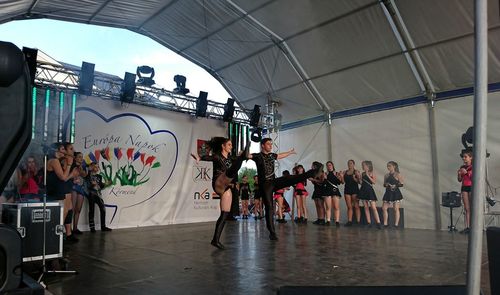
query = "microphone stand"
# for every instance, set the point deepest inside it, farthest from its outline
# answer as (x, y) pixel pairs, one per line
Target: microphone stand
(44, 266)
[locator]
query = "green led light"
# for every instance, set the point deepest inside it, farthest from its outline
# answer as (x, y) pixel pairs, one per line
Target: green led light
(33, 123)
(73, 108)
(61, 100)
(47, 98)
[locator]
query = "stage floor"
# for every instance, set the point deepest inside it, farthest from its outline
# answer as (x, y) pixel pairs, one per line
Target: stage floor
(178, 259)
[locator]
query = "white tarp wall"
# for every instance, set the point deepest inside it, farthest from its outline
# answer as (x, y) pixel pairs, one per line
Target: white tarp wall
(401, 135)
(174, 190)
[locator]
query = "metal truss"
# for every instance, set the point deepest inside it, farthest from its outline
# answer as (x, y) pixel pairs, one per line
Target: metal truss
(59, 77)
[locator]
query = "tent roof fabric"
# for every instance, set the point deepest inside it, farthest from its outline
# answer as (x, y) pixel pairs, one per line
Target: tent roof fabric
(312, 57)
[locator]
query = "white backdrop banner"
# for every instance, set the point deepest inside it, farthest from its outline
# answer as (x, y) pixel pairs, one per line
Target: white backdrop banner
(143, 155)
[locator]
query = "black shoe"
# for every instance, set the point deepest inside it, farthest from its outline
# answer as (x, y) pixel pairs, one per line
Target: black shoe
(337, 224)
(273, 237)
(77, 231)
(386, 226)
(326, 223)
(321, 222)
(379, 226)
(92, 230)
(349, 223)
(304, 220)
(104, 228)
(71, 239)
(465, 231)
(317, 221)
(217, 244)
(231, 218)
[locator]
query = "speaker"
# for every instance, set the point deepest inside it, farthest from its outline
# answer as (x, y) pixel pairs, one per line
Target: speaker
(86, 81)
(202, 104)
(451, 199)
(30, 55)
(128, 88)
(16, 109)
(10, 259)
(374, 290)
(493, 238)
(228, 110)
(255, 116)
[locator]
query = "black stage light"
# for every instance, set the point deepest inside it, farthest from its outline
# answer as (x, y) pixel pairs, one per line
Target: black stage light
(255, 116)
(86, 81)
(256, 135)
(30, 55)
(228, 110)
(127, 92)
(201, 104)
(181, 85)
(145, 80)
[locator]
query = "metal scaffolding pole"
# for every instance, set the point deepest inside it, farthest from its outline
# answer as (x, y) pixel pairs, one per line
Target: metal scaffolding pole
(479, 162)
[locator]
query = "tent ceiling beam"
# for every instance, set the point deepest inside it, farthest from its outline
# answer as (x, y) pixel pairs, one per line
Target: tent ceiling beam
(244, 14)
(160, 11)
(32, 6)
(291, 58)
(99, 10)
(324, 23)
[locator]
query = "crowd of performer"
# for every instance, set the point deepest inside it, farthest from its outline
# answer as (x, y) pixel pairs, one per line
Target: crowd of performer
(69, 181)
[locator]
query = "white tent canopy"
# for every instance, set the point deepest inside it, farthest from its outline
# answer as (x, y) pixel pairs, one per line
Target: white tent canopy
(313, 57)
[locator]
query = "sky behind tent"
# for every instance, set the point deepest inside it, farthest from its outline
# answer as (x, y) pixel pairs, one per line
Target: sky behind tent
(113, 51)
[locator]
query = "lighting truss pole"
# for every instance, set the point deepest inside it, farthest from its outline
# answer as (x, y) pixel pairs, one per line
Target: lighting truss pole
(60, 78)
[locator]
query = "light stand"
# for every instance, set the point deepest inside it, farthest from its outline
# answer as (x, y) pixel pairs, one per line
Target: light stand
(44, 266)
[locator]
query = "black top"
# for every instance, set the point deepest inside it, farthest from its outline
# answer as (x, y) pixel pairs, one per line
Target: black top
(55, 186)
(265, 165)
(332, 178)
(244, 190)
(220, 164)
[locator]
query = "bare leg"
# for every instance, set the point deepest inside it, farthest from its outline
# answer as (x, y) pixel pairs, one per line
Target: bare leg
(397, 215)
(384, 212)
(465, 197)
(373, 205)
(357, 209)
(348, 203)
(367, 212)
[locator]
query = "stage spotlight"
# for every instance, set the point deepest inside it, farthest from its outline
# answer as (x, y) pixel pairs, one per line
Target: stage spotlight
(145, 80)
(86, 81)
(256, 135)
(127, 92)
(201, 104)
(181, 85)
(255, 116)
(228, 110)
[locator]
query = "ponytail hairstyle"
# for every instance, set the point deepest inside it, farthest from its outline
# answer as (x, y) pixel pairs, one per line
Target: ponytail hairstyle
(396, 167)
(216, 143)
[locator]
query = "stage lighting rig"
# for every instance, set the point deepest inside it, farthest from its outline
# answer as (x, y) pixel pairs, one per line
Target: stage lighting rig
(181, 85)
(145, 80)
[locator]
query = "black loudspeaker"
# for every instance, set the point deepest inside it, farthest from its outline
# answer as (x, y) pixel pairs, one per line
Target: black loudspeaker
(86, 81)
(30, 55)
(451, 199)
(378, 290)
(10, 259)
(202, 104)
(228, 110)
(493, 237)
(15, 111)
(255, 116)
(128, 88)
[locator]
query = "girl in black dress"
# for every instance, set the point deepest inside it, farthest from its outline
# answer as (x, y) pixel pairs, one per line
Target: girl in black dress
(332, 181)
(367, 193)
(392, 197)
(225, 169)
(351, 178)
(245, 196)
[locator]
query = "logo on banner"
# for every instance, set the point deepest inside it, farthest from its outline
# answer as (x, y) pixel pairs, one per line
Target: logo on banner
(135, 161)
(201, 173)
(202, 200)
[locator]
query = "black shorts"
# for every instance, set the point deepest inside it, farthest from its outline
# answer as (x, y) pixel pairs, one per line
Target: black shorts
(466, 189)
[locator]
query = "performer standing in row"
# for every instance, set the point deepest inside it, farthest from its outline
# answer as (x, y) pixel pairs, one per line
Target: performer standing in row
(225, 169)
(279, 196)
(300, 194)
(268, 182)
(464, 175)
(392, 182)
(352, 178)
(245, 196)
(367, 193)
(332, 181)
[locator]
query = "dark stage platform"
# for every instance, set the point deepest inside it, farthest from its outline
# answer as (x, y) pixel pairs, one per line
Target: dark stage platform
(178, 259)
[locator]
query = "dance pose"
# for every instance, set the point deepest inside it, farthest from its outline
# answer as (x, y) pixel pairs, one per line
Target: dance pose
(351, 178)
(464, 175)
(245, 196)
(367, 193)
(392, 182)
(225, 169)
(332, 181)
(268, 181)
(299, 194)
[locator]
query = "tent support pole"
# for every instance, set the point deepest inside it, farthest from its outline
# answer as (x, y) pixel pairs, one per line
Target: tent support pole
(475, 249)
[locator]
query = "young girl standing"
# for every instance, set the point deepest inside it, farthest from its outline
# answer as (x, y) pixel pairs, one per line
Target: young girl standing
(351, 178)
(392, 182)
(464, 175)
(367, 193)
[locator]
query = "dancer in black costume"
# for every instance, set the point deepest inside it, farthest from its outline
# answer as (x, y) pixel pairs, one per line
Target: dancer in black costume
(268, 183)
(392, 182)
(225, 169)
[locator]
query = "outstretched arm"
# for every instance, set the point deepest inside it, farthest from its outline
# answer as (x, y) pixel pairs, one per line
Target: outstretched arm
(286, 154)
